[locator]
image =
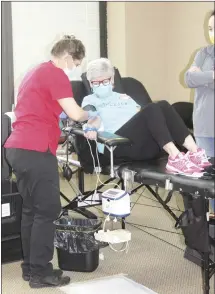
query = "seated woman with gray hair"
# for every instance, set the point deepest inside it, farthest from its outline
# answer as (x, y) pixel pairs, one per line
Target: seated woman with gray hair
(152, 129)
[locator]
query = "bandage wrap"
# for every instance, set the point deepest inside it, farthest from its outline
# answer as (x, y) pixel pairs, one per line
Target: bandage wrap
(87, 128)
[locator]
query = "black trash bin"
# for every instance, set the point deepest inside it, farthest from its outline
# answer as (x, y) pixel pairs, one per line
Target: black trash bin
(77, 249)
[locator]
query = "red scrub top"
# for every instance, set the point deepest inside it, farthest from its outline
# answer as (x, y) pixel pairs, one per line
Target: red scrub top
(37, 110)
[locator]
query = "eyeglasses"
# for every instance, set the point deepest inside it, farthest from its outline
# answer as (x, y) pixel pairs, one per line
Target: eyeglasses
(105, 82)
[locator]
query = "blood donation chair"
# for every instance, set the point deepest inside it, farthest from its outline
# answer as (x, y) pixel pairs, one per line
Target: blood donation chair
(150, 174)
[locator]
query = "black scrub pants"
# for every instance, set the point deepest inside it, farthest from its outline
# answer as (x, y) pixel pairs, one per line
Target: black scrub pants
(150, 130)
(38, 183)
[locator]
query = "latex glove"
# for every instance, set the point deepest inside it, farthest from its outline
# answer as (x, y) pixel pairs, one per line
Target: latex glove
(63, 115)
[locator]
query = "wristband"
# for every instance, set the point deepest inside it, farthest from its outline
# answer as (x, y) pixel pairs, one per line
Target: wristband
(87, 128)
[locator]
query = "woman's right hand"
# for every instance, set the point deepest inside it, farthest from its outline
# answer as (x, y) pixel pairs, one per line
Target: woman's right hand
(91, 135)
(90, 132)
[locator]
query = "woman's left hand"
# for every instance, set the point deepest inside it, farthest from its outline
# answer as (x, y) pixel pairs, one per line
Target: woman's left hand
(91, 135)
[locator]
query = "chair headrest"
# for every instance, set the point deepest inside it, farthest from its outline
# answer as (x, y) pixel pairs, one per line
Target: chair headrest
(79, 91)
(118, 87)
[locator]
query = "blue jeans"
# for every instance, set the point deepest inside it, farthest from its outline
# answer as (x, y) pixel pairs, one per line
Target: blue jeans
(207, 143)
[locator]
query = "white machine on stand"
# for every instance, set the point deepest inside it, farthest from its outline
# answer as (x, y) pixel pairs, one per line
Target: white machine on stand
(116, 204)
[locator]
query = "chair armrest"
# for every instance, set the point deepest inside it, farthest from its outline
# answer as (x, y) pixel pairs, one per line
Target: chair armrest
(106, 138)
(112, 139)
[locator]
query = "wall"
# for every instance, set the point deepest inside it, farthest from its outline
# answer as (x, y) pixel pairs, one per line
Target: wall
(145, 39)
(159, 38)
(37, 25)
(116, 35)
(186, 34)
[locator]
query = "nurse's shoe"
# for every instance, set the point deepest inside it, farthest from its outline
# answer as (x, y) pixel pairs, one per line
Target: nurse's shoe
(56, 272)
(199, 158)
(48, 281)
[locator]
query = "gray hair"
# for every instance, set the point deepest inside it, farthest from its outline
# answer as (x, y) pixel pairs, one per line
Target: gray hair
(101, 67)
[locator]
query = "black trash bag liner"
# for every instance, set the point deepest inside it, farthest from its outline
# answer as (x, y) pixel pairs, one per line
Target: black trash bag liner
(77, 225)
(76, 235)
(195, 228)
(73, 242)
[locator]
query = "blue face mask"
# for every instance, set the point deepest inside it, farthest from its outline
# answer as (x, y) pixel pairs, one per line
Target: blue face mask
(71, 73)
(103, 91)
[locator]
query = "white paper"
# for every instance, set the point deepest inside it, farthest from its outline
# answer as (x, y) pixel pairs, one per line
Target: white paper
(5, 210)
(114, 285)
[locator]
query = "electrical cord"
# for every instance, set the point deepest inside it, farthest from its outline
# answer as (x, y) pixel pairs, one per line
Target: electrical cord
(157, 229)
(99, 166)
(149, 205)
(97, 174)
(126, 248)
(173, 208)
(138, 225)
(134, 203)
(164, 241)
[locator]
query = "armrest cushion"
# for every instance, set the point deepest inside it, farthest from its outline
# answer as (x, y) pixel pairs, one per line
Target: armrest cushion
(106, 138)
(112, 139)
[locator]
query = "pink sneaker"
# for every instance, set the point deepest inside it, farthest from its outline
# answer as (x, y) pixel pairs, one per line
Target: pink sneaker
(199, 158)
(182, 165)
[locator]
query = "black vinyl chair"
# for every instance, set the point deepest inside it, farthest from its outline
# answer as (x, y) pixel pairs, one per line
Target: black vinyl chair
(10, 197)
(125, 85)
(151, 174)
(185, 110)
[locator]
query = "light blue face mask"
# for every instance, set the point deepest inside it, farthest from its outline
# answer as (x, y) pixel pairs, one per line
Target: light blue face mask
(103, 91)
(71, 73)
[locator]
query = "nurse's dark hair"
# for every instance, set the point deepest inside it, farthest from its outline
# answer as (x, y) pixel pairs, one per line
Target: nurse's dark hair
(70, 45)
(212, 14)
